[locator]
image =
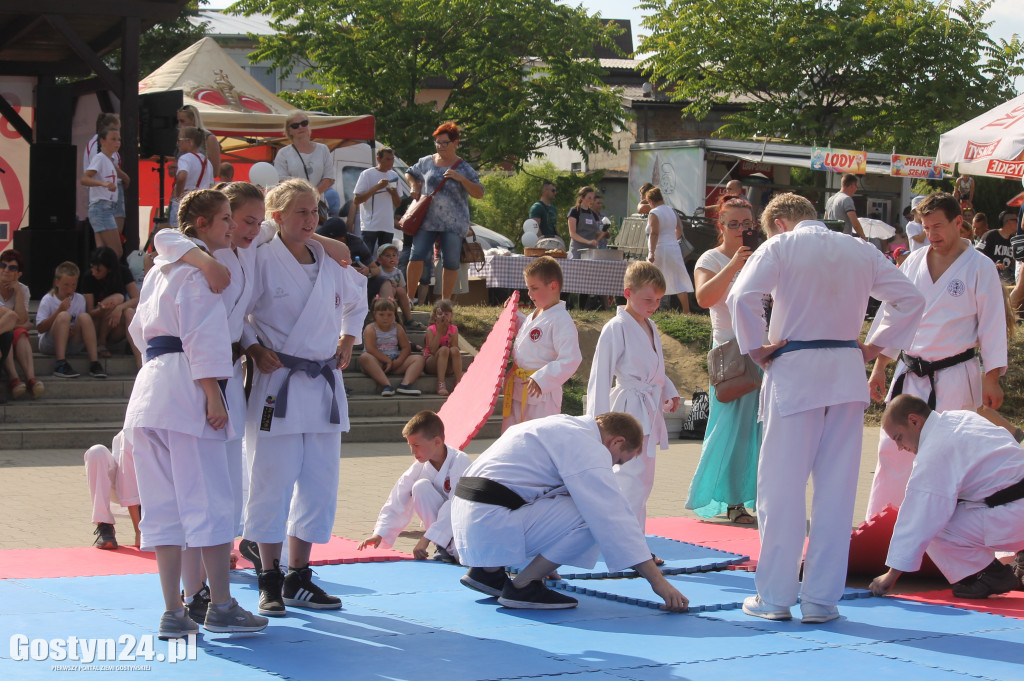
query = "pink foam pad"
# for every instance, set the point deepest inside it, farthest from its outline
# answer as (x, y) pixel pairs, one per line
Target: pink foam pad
(472, 402)
(732, 538)
(869, 545)
(342, 551)
(1008, 605)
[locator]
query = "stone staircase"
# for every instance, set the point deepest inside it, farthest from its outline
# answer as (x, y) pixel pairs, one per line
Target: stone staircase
(80, 412)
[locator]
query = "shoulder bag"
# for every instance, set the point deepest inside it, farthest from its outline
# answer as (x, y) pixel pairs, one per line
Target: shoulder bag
(732, 374)
(321, 205)
(417, 211)
(472, 251)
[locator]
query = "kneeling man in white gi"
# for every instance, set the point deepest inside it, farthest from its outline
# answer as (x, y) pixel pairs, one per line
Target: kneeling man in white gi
(964, 501)
(545, 491)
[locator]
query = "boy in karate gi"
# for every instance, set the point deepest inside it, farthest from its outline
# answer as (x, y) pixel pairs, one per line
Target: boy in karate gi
(629, 351)
(546, 352)
(964, 500)
(964, 308)
(813, 398)
(425, 488)
(545, 492)
(107, 469)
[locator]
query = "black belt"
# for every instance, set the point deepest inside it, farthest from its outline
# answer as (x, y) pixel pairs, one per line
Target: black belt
(922, 367)
(487, 491)
(236, 352)
(1006, 495)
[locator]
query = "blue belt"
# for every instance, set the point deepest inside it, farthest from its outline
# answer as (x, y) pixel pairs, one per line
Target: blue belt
(166, 345)
(311, 368)
(812, 345)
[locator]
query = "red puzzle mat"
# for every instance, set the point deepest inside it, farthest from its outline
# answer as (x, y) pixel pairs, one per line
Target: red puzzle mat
(869, 545)
(472, 402)
(86, 561)
(725, 537)
(1008, 605)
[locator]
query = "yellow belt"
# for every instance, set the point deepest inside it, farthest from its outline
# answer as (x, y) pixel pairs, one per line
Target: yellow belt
(513, 373)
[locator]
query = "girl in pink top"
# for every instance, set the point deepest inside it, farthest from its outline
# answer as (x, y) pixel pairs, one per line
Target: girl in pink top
(442, 346)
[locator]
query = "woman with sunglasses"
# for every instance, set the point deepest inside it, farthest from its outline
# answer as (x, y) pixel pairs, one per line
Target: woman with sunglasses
(726, 477)
(307, 160)
(448, 216)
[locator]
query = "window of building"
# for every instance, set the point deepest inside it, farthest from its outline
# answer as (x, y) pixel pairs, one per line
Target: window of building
(576, 167)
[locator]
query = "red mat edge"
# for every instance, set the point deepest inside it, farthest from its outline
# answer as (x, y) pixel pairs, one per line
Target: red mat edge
(991, 606)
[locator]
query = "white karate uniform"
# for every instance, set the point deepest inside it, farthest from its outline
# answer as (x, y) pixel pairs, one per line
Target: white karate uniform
(962, 309)
(111, 469)
(547, 344)
(299, 310)
(427, 493)
(812, 401)
(625, 353)
(961, 459)
(180, 460)
(563, 471)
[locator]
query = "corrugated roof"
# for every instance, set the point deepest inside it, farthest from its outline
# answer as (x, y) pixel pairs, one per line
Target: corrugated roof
(221, 25)
(630, 64)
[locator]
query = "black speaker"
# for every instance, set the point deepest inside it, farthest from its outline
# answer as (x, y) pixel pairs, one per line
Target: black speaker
(53, 185)
(55, 105)
(158, 123)
(44, 249)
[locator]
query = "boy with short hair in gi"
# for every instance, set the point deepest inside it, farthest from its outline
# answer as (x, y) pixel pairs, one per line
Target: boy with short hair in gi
(425, 488)
(546, 352)
(629, 352)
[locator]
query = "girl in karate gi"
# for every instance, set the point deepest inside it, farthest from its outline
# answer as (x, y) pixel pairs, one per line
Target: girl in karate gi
(306, 315)
(177, 423)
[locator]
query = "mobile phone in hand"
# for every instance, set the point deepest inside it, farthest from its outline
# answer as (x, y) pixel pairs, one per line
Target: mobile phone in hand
(751, 239)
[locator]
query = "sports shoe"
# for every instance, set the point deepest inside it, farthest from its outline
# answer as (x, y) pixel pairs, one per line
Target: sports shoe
(994, 579)
(199, 605)
(63, 370)
(535, 596)
(444, 556)
(17, 387)
(250, 550)
(815, 613)
(301, 592)
(753, 605)
(406, 389)
(490, 583)
(270, 583)
(96, 370)
(176, 624)
(105, 538)
(36, 387)
(389, 391)
(233, 618)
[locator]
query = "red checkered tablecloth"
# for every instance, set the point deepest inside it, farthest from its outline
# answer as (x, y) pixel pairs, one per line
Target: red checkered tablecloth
(597, 277)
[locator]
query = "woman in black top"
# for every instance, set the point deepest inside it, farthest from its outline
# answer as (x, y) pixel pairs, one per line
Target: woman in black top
(111, 297)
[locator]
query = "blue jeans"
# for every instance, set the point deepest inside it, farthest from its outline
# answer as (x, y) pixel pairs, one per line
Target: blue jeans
(451, 247)
(101, 215)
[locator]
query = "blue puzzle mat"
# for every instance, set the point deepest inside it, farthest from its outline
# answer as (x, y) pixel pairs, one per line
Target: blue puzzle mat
(707, 591)
(680, 557)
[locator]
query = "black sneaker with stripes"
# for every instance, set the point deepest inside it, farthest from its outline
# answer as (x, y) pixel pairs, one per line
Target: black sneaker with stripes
(301, 592)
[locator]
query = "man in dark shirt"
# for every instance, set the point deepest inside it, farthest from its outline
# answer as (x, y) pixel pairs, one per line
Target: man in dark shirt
(544, 211)
(996, 245)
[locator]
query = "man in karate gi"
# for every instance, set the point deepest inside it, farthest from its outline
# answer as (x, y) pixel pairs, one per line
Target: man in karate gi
(813, 398)
(964, 502)
(963, 308)
(545, 492)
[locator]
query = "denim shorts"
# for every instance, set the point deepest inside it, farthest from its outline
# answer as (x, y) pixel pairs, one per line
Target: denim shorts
(451, 247)
(119, 206)
(101, 215)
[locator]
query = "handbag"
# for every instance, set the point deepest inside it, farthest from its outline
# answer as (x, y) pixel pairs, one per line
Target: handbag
(321, 205)
(732, 374)
(696, 423)
(417, 211)
(472, 251)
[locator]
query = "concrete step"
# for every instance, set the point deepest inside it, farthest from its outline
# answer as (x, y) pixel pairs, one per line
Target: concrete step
(390, 430)
(85, 388)
(118, 365)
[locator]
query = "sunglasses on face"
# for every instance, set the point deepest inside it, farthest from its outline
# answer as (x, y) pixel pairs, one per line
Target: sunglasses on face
(300, 124)
(9, 266)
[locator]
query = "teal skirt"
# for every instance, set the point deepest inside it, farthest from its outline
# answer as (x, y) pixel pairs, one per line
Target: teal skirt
(727, 472)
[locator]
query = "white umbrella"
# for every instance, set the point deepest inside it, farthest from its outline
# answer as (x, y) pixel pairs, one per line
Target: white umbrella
(991, 144)
(876, 229)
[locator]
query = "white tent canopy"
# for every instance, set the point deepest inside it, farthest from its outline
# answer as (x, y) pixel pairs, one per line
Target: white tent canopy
(991, 144)
(235, 107)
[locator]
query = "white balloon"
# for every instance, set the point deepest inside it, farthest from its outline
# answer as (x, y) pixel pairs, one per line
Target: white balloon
(530, 240)
(531, 226)
(264, 174)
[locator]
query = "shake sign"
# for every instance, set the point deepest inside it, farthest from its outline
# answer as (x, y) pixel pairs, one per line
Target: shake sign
(923, 167)
(839, 160)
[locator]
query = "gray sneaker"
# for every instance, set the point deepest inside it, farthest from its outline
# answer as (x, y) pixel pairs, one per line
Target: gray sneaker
(173, 625)
(233, 618)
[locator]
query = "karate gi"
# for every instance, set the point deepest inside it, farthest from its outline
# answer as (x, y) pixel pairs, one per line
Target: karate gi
(546, 344)
(812, 401)
(300, 310)
(961, 459)
(563, 471)
(624, 353)
(107, 469)
(962, 309)
(180, 460)
(428, 493)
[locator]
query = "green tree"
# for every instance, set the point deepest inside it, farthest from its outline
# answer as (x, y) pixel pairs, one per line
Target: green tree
(861, 73)
(522, 73)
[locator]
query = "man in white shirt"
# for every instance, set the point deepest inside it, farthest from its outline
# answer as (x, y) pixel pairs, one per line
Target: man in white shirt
(840, 206)
(377, 197)
(916, 236)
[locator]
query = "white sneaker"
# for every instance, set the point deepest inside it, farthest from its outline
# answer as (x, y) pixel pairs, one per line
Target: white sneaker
(753, 605)
(814, 613)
